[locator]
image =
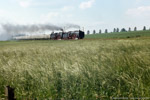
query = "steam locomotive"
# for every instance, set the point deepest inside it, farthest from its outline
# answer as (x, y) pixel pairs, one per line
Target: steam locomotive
(54, 36)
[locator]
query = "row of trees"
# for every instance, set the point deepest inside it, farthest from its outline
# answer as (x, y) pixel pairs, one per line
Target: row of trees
(116, 30)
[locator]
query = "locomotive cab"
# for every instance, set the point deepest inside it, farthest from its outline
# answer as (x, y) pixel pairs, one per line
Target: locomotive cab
(81, 34)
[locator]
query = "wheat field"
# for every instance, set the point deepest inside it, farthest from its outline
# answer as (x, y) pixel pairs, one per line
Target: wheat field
(76, 69)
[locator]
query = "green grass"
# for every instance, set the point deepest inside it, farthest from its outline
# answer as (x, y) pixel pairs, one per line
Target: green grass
(132, 34)
(82, 69)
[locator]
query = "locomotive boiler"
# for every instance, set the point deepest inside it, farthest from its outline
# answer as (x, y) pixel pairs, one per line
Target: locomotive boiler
(55, 36)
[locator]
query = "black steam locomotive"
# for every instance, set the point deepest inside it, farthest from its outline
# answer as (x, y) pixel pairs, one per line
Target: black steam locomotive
(67, 35)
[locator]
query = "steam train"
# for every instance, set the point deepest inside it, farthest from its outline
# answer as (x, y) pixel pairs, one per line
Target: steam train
(54, 36)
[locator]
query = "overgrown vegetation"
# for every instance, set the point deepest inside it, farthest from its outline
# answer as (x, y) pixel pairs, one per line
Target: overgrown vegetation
(83, 69)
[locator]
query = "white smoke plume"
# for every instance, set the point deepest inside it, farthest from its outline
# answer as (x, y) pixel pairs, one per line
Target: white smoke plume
(4, 35)
(8, 30)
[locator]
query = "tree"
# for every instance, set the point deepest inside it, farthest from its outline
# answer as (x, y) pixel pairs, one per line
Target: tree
(123, 30)
(106, 31)
(88, 32)
(114, 30)
(100, 31)
(144, 28)
(117, 30)
(129, 29)
(94, 32)
(135, 29)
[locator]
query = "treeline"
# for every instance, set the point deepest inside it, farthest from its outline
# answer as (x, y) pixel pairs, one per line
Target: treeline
(115, 30)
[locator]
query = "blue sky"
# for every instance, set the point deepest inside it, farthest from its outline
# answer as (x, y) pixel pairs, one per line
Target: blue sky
(90, 14)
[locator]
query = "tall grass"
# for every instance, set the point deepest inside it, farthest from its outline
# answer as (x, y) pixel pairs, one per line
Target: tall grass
(83, 69)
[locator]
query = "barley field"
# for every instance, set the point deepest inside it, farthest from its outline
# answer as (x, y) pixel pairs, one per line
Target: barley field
(76, 69)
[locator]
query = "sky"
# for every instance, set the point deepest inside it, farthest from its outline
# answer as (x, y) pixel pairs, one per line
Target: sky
(90, 14)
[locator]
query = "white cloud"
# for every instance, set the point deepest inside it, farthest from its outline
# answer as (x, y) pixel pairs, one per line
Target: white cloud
(56, 17)
(2, 12)
(49, 17)
(143, 11)
(24, 3)
(138, 17)
(4, 15)
(59, 16)
(85, 5)
(67, 8)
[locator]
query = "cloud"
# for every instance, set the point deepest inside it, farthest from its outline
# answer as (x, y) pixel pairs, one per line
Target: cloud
(50, 16)
(138, 17)
(4, 15)
(56, 17)
(143, 11)
(85, 5)
(2, 12)
(67, 8)
(60, 15)
(60, 18)
(24, 3)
